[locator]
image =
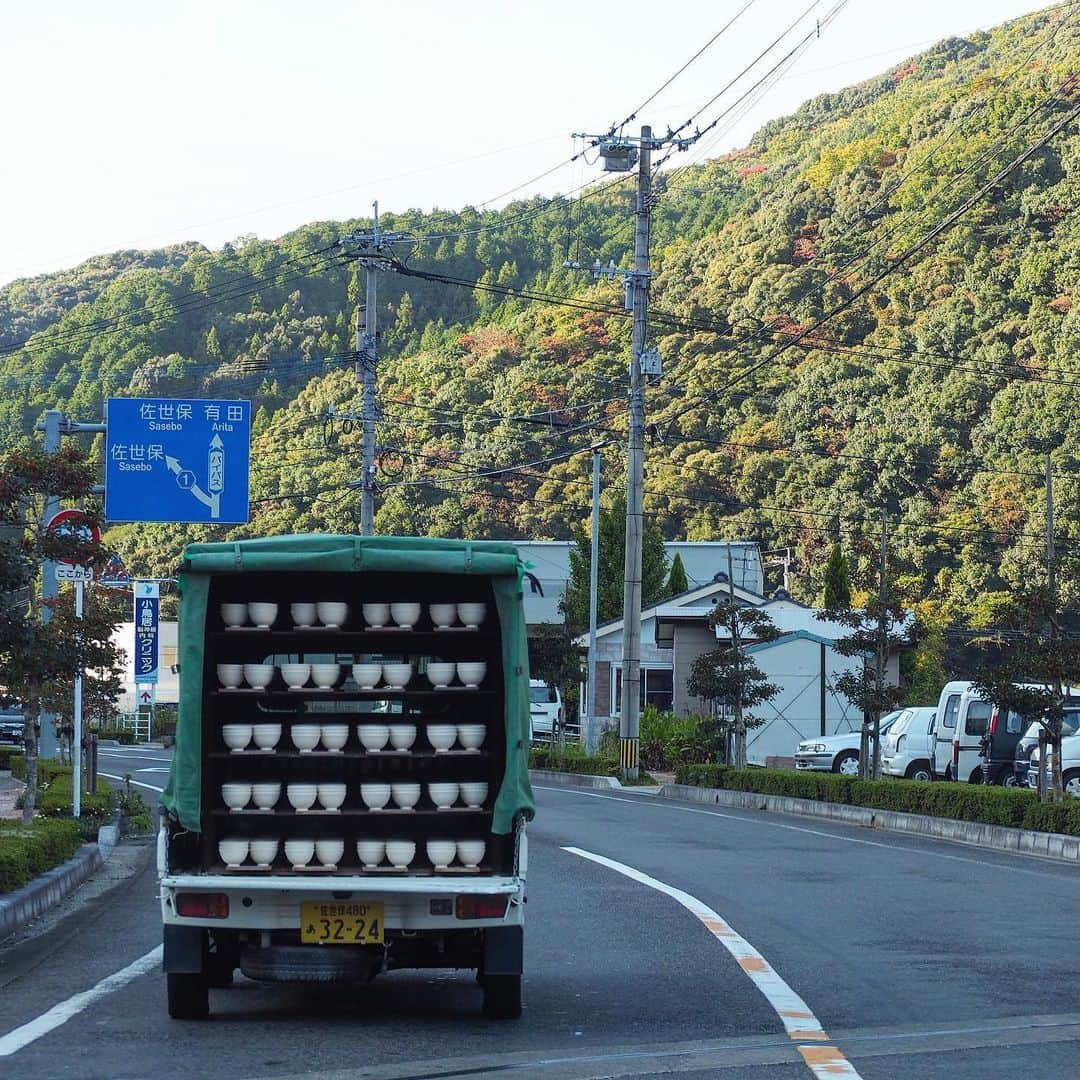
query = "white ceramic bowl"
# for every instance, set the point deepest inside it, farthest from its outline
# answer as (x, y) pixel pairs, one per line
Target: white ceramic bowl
(329, 851)
(236, 736)
(443, 795)
(367, 676)
(233, 851)
(400, 852)
(305, 737)
(234, 614)
(441, 853)
(236, 796)
(332, 613)
(334, 737)
(264, 852)
(299, 852)
(230, 675)
(397, 676)
(442, 615)
(376, 615)
(373, 737)
(441, 736)
(406, 796)
(402, 736)
(303, 615)
(471, 736)
(440, 674)
(258, 676)
(262, 614)
(331, 796)
(325, 675)
(472, 672)
(265, 796)
(405, 615)
(295, 675)
(474, 792)
(267, 736)
(471, 852)
(370, 852)
(301, 796)
(375, 796)
(471, 614)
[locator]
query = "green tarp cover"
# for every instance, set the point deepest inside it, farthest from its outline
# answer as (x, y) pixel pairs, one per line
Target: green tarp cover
(343, 554)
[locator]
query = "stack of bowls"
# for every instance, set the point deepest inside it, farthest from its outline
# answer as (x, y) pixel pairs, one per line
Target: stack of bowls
(236, 736)
(474, 792)
(402, 736)
(375, 796)
(262, 614)
(400, 853)
(440, 674)
(373, 737)
(472, 615)
(263, 852)
(296, 675)
(267, 736)
(376, 615)
(441, 736)
(266, 795)
(334, 737)
(406, 795)
(230, 675)
(397, 676)
(301, 796)
(471, 672)
(303, 615)
(332, 613)
(441, 853)
(370, 853)
(331, 796)
(305, 737)
(471, 736)
(236, 795)
(443, 795)
(325, 676)
(367, 676)
(258, 676)
(329, 852)
(471, 852)
(233, 851)
(405, 615)
(443, 616)
(299, 852)
(234, 615)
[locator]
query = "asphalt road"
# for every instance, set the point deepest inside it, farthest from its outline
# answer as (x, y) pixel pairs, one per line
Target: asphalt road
(677, 953)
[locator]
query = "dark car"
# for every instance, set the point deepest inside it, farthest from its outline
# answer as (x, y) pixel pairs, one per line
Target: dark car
(997, 747)
(1030, 740)
(11, 726)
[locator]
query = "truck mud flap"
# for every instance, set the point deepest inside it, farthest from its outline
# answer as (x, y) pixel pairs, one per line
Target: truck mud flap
(504, 949)
(185, 949)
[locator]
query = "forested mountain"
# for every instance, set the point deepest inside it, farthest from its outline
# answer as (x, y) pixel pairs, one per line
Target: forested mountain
(934, 395)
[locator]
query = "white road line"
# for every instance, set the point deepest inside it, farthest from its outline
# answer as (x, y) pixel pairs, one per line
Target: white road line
(799, 1022)
(138, 757)
(664, 805)
(137, 783)
(61, 1013)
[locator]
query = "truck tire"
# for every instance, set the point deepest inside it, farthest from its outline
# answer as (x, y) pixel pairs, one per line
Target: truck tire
(502, 997)
(189, 996)
(846, 763)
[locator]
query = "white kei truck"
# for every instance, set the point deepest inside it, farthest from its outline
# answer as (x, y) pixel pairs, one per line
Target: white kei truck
(350, 783)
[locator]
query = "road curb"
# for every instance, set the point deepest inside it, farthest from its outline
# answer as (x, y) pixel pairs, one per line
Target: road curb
(23, 905)
(574, 780)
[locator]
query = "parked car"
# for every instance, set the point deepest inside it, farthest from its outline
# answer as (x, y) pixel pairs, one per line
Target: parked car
(1030, 741)
(961, 722)
(1070, 765)
(545, 707)
(11, 726)
(998, 747)
(906, 748)
(837, 753)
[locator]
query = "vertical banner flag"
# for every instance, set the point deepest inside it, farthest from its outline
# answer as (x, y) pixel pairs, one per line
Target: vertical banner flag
(146, 632)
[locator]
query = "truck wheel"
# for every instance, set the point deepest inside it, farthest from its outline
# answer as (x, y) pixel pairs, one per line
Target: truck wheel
(502, 997)
(189, 996)
(919, 770)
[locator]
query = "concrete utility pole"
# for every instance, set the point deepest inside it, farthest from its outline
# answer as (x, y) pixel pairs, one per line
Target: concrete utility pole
(1054, 779)
(372, 249)
(591, 734)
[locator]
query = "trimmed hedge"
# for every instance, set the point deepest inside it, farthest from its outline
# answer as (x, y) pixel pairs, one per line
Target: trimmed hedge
(48, 769)
(26, 852)
(1016, 808)
(572, 760)
(55, 800)
(8, 754)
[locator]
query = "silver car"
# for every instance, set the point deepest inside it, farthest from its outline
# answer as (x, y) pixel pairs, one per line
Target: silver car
(836, 753)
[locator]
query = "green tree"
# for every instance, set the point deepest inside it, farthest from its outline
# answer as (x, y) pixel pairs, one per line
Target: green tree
(836, 586)
(611, 568)
(38, 656)
(555, 658)
(677, 583)
(727, 677)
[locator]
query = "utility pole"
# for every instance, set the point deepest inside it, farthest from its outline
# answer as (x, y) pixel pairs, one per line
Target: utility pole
(1051, 579)
(372, 248)
(591, 734)
(866, 766)
(738, 758)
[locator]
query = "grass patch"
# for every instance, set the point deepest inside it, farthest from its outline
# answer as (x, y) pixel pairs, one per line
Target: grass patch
(27, 851)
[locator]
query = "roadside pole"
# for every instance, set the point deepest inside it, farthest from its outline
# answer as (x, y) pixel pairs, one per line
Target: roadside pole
(47, 742)
(592, 736)
(77, 717)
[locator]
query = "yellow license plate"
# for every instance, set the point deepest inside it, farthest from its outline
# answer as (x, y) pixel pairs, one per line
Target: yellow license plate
(338, 922)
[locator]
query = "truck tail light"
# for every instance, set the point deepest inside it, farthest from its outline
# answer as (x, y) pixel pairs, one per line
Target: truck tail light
(994, 717)
(955, 756)
(202, 905)
(481, 907)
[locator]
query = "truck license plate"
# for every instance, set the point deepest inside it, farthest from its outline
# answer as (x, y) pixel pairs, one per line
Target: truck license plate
(341, 923)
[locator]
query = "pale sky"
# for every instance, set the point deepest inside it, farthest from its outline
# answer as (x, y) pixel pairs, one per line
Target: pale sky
(140, 123)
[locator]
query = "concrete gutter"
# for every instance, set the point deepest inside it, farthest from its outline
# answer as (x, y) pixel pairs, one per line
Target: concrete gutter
(23, 905)
(976, 834)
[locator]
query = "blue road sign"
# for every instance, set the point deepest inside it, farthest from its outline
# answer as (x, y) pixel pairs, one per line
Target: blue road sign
(146, 632)
(177, 459)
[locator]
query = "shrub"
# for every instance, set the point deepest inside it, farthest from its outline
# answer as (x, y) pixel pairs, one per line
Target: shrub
(573, 759)
(667, 739)
(8, 755)
(55, 800)
(47, 770)
(961, 802)
(26, 852)
(120, 735)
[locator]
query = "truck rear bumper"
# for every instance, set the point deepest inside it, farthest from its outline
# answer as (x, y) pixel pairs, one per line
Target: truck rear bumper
(268, 903)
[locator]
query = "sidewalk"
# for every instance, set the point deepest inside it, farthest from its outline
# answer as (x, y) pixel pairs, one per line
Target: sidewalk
(10, 790)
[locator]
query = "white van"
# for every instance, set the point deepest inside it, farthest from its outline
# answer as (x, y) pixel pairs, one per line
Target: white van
(545, 708)
(906, 748)
(962, 718)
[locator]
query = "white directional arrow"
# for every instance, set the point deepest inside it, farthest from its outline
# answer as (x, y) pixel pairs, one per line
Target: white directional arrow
(181, 474)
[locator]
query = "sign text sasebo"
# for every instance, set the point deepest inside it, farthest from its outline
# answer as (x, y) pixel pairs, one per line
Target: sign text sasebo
(177, 459)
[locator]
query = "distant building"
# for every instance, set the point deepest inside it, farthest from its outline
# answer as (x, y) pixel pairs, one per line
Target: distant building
(167, 691)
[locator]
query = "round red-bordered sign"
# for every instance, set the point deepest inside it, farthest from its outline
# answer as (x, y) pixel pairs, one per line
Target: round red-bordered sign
(74, 523)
